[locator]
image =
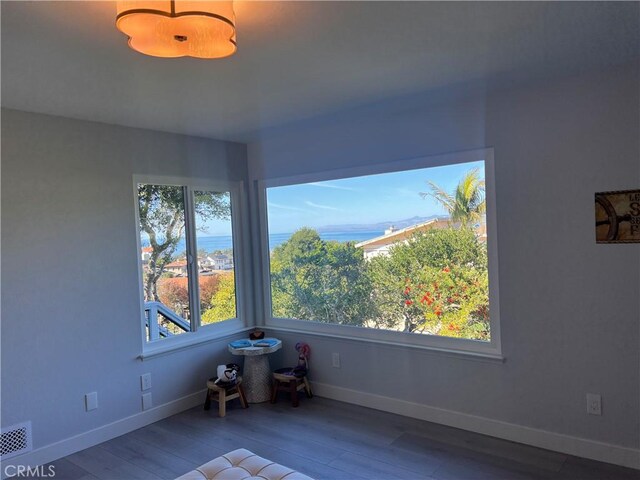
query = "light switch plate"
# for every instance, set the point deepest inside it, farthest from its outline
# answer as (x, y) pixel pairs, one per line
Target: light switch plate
(145, 382)
(91, 401)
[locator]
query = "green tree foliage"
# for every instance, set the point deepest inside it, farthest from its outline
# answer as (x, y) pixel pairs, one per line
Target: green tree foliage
(323, 281)
(435, 283)
(161, 211)
(467, 202)
(223, 302)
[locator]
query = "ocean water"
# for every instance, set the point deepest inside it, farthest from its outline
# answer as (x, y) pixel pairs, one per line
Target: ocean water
(213, 243)
(276, 239)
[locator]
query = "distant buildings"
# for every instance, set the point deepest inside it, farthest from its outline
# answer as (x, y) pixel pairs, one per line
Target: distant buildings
(207, 264)
(178, 268)
(145, 254)
(220, 261)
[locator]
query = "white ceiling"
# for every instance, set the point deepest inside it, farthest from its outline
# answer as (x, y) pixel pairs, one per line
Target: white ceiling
(297, 59)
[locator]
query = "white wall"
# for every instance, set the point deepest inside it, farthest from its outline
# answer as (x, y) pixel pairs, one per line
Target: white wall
(570, 309)
(70, 302)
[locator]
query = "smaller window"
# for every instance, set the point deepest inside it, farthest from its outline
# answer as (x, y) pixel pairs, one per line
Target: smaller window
(187, 258)
(216, 270)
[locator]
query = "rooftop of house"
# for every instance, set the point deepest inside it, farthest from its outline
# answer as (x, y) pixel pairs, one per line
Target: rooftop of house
(177, 264)
(392, 235)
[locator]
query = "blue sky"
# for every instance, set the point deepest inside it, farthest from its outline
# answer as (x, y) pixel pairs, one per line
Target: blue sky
(368, 199)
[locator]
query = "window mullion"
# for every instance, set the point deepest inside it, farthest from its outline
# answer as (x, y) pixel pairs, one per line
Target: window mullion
(192, 258)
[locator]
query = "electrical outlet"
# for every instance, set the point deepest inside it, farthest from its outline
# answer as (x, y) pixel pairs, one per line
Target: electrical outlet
(336, 360)
(91, 401)
(145, 382)
(147, 402)
(594, 404)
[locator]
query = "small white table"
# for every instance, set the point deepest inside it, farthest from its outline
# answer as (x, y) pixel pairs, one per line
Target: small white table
(256, 374)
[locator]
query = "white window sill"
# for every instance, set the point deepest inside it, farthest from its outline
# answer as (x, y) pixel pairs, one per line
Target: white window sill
(187, 341)
(486, 356)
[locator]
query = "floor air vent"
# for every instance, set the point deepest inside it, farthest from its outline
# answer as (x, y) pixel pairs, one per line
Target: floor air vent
(15, 440)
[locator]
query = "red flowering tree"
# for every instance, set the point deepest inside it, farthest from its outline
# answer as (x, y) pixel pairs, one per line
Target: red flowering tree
(436, 283)
(174, 292)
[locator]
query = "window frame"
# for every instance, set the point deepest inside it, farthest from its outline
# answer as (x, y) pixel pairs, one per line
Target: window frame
(199, 333)
(491, 349)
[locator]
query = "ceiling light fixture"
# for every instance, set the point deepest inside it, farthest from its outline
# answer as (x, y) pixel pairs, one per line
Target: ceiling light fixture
(179, 28)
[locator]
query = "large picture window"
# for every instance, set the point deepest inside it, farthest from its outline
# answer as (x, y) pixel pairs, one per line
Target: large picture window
(186, 257)
(402, 251)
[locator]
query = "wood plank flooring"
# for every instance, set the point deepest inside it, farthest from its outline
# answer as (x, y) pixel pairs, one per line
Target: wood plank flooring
(325, 439)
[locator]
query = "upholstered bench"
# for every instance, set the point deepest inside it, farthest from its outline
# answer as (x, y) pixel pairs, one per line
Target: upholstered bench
(241, 464)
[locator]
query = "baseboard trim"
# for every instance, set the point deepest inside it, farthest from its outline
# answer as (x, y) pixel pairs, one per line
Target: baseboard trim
(74, 444)
(580, 447)
(604, 452)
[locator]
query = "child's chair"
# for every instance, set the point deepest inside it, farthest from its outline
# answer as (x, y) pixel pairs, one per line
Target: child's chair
(293, 379)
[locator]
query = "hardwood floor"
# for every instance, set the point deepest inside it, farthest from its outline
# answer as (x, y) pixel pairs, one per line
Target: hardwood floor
(325, 439)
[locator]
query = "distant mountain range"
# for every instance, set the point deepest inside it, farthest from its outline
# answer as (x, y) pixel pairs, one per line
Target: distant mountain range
(375, 227)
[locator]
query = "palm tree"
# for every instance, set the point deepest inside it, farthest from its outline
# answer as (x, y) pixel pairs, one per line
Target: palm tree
(466, 203)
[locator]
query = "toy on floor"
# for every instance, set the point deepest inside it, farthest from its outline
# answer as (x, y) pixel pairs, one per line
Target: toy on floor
(303, 360)
(227, 374)
(293, 379)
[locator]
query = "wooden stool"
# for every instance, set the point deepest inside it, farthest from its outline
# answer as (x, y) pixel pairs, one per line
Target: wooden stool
(289, 383)
(223, 394)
